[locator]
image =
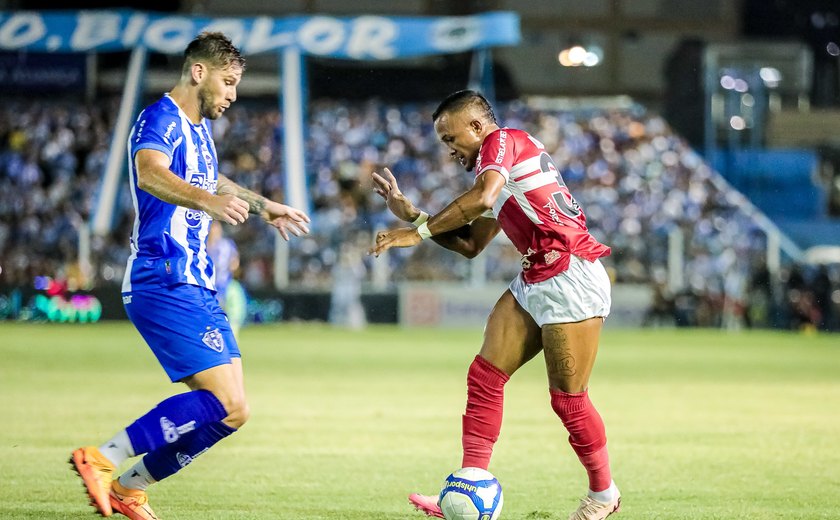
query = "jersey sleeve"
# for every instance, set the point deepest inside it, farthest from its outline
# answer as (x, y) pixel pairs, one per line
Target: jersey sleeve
(156, 130)
(496, 153)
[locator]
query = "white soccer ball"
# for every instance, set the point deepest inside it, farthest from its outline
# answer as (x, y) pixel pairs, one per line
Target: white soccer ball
(471, 494)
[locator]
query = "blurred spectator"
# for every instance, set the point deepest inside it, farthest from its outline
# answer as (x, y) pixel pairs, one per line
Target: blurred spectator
(638, 182)
(225, 256)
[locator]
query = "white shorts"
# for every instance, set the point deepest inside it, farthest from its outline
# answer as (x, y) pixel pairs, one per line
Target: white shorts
(578, 293)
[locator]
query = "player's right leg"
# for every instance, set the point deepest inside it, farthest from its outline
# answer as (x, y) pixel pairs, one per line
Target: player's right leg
(167, 459)
(128, 493)
(511, 339)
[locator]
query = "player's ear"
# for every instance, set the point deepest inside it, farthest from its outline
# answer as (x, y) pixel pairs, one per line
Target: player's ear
(198, 71)
(477, 126)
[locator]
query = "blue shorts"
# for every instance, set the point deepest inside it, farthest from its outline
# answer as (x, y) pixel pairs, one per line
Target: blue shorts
(184, 326)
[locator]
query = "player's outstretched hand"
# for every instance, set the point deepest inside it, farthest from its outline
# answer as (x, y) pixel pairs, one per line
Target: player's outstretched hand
(227, 208)
(402, 237)
(286, 219)
(386, 186)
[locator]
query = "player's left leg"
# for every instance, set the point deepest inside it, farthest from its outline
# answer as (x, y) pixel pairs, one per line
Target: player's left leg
(570, 350)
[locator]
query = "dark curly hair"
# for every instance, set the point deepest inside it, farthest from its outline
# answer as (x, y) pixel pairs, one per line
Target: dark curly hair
(463, 98)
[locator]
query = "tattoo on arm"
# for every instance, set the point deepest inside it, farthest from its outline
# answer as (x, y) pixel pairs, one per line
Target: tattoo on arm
(461, 209)
(256, 202)
(225, 186)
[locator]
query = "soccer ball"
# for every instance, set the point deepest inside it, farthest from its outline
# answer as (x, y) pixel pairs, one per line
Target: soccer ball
(471, 494)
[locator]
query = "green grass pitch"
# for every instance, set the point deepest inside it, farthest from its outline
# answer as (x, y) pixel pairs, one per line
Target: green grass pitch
(345, 424)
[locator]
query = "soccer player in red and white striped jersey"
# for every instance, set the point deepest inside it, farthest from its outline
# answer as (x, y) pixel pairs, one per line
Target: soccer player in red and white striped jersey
(558, 303)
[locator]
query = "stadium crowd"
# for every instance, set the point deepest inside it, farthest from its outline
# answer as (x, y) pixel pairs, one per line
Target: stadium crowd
(640, 186)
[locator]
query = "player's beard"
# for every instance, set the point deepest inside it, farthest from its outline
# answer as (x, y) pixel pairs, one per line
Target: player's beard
(206, 107)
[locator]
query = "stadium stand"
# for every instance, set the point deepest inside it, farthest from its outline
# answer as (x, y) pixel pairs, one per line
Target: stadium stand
(635, 178)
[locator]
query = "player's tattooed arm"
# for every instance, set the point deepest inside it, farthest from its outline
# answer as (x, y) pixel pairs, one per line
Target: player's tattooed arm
(469, 240)
(256, 202)
(459, 227)
(469, 206)
(286, 219)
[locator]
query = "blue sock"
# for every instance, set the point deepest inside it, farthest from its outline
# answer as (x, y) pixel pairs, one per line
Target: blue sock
(169, 459)
(174, 417)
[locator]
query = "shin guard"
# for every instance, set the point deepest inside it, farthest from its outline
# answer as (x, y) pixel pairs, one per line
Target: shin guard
(586, 435)
(482, 419)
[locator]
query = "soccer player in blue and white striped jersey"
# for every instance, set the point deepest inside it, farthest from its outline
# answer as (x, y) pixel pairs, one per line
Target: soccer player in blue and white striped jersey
(169, 291)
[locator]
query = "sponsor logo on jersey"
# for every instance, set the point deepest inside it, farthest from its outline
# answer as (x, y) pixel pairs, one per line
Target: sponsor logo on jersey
(168, 132)
(552, 211)
(525, 261)
(194, 216)
(126, 299)
(214, 340)
(197, 179)
(502, 146)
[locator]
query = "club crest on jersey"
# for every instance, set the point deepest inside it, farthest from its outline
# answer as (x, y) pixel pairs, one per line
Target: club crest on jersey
(214, 340)
(551, 257)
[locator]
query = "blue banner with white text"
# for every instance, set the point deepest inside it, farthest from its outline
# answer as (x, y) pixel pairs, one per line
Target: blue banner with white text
(31, 72)
(356, 38)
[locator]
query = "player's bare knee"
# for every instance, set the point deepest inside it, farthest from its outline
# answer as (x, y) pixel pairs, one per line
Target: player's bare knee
(567, 385)
(236, 420)
(238, 413)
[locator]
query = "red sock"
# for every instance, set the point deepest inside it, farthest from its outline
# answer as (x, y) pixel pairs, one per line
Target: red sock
(586, 435)
(483, 417)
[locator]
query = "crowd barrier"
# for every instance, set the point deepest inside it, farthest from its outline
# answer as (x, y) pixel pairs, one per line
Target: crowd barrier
(424, 305)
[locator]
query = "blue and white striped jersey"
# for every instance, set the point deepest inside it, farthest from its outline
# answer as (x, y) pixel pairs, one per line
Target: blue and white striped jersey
(168, 242)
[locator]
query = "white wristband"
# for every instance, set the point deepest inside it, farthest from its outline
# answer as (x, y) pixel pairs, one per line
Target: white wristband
(423, 231)
(422, 218)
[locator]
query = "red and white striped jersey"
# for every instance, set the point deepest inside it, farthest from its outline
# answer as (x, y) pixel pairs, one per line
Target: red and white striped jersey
(535, 208)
